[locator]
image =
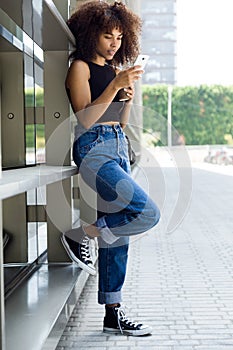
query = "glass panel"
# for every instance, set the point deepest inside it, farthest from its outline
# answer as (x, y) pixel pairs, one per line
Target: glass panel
(32, 229)
(31, 197)
(17, 43)
(29, 82)
(38, 52)
(28, 44)
(10, 25)
(40, 143)
(42, 226)
(37, 21)
(30, 144)
(32, 241)
(27, 17)
(42, 237)
(39, 86)
(29, 89)
(37, 231)
(39, 114)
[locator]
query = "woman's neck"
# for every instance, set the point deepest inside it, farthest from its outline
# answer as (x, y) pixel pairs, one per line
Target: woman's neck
(99, 60)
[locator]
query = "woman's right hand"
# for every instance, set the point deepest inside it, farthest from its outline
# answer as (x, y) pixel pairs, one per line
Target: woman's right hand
(127, 77)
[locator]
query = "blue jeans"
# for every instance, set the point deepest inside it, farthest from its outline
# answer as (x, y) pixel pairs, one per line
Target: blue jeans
(123, 207)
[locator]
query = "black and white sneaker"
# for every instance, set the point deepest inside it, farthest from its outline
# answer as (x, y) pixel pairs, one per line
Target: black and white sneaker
(115, 321)
(79, 249)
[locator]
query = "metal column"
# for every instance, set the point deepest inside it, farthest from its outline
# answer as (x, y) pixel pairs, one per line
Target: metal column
(2, 303)
(58, 144)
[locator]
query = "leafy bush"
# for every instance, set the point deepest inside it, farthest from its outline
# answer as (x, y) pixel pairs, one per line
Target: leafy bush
(202, 114)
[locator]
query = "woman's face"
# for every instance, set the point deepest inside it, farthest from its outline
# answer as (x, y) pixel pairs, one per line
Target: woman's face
(107, 45)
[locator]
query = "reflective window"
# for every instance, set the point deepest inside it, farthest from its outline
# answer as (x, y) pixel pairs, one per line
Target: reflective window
(29, 93)
(37, 229)
(40, 143)
(22, 75)
(37, 21)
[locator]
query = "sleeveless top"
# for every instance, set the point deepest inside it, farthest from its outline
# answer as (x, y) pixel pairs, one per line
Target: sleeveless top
(100, 77)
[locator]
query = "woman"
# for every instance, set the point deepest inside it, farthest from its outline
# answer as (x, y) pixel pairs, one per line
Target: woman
(106, 37)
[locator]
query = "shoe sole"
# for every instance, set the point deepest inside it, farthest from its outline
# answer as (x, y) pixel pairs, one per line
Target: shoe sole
(136, 333)
(74, 258)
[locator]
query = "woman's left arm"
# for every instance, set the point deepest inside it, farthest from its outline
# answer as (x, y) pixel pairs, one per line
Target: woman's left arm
(125, 112)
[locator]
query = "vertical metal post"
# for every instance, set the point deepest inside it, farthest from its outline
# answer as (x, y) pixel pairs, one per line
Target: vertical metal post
(2, 306)
(169, 116)
(59, 218)
(2, 302)
(58, 144)
(58, 137)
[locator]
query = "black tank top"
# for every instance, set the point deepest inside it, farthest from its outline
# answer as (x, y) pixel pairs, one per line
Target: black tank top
(100, 77)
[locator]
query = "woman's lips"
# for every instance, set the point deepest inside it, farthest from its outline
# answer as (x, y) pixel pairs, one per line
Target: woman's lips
(111, 52)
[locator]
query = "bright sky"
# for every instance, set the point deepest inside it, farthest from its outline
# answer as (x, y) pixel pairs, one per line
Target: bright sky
(205, 42)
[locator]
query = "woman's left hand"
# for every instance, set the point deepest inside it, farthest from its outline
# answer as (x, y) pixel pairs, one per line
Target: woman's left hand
(130, 93)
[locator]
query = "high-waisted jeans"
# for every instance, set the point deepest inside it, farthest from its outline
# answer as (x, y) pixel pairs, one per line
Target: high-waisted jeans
(123, 207)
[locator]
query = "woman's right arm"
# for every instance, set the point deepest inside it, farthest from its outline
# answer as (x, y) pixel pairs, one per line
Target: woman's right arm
(77, 82)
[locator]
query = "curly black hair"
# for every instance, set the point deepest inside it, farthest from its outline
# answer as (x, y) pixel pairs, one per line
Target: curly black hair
(95, 17)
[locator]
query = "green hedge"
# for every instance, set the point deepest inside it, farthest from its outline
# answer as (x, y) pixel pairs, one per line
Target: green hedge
(35, 133)
(34, 97)
(203, 114)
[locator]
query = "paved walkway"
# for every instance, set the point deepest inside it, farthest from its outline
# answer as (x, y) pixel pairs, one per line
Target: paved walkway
(179, 283)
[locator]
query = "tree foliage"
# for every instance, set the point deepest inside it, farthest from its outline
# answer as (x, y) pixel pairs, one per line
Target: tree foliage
(202, 114)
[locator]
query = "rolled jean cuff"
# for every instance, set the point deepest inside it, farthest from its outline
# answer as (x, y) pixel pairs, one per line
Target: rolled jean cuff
(105, 233)
(109, 297)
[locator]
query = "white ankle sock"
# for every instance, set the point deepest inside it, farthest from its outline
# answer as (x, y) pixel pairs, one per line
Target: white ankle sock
(107, 235)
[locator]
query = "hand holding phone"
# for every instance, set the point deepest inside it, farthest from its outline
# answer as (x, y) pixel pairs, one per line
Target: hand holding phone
(141, 60)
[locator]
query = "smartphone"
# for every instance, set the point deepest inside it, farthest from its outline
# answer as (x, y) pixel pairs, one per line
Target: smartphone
(141, 60)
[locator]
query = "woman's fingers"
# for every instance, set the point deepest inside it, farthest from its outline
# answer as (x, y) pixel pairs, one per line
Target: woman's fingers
(133, 74)
(128, 76)
(129, 92)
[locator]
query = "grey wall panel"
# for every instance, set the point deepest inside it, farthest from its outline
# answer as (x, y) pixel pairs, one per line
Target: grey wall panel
(15, 223)
(57, 111)
(12, 116)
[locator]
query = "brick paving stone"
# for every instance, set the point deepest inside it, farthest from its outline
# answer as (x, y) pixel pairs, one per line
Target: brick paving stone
(78, 347)
(183, 347)
(213, 347)
(179, 283)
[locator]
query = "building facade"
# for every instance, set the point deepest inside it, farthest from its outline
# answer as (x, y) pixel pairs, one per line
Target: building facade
(159, 41)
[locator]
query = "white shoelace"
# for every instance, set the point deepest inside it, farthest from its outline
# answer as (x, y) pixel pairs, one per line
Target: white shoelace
(122, 317)
(85, 249)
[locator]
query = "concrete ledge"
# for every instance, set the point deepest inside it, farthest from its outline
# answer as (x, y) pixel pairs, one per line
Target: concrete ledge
(38, 311)
(17, 181)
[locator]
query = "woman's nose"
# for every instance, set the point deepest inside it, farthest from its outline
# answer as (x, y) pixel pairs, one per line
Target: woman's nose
(114, 42)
